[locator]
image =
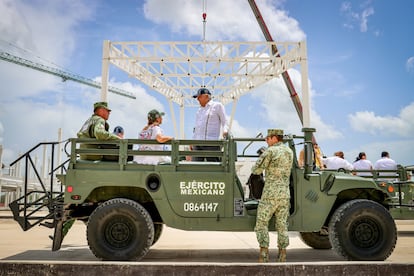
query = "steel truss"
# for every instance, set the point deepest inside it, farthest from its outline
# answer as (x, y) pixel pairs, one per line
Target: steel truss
(177, 69)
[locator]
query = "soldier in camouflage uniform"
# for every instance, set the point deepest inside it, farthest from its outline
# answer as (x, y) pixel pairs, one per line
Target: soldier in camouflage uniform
(96, 127)
(276, 161)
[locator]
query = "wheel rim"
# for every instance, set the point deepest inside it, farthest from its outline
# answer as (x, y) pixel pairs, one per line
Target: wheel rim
(119, 233)
(365, 233)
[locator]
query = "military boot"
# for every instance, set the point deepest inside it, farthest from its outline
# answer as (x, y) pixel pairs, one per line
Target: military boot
(264, 255)
(281, 258)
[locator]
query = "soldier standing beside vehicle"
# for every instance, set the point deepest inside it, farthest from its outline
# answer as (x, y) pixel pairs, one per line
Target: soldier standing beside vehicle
(276, 161)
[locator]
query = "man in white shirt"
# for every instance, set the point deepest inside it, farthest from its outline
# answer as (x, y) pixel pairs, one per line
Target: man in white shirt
(210, 121)
(337, 162)
(385, 163)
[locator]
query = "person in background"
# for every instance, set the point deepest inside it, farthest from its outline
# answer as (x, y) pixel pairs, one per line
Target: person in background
(96, 127)
(317, 158)
(362, 163)
(385, 163)
(153, 131)
(276, 161)
(337, 162)
(119, 131)
(210, 121)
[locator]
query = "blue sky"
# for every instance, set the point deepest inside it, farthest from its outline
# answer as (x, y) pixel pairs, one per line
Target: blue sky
(360, 61)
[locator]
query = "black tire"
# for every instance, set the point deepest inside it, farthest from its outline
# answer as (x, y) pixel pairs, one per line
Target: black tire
(120, 230)
(316, 240)
(157, 232)
(362, 230)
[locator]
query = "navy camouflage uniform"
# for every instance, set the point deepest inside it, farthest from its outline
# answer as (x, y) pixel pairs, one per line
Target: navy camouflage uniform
(277, 162)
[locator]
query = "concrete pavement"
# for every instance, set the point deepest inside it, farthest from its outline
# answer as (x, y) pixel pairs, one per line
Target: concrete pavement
(227, 252)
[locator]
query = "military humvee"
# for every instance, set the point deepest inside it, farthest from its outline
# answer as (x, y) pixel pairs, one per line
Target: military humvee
(125, 204)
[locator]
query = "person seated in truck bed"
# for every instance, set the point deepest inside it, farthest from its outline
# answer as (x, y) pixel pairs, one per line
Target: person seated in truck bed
(96, 127)
(118, 131)
(386, 163)
(153, 131)
(337, 162)
(362, 163)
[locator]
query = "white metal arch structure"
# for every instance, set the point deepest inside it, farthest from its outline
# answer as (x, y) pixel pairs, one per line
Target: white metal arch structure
(229, 69)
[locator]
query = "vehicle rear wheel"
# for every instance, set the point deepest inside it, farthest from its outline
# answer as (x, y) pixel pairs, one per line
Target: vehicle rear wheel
(362, 230)
(120, 230)
(316, 240)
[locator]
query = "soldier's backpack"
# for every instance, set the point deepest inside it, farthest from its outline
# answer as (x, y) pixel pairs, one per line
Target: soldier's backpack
(256, 184)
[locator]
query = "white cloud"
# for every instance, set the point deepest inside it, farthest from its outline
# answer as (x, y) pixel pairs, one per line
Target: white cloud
(1, 132)
(34, 105)
(226, 20)
(360, 18)
(369, 122)
(278, 108)
(46, 29)
(363, 27)
(237, 130)
(409, 65)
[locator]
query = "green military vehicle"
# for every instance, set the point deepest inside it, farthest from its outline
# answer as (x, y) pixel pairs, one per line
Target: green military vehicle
(125, 204)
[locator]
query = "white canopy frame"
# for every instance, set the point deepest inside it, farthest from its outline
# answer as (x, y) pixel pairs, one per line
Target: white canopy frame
(228, 69)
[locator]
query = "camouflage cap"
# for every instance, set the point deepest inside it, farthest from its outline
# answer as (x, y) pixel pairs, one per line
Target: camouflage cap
(274, 132)
(101, 104)
(154, 114)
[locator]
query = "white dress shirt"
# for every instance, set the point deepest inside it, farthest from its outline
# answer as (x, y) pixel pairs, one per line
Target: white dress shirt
(335, 163)
(386, 163)
(210, 120)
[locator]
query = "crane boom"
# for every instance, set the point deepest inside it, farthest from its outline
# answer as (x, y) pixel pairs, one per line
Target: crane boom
(60, 73)
(294, 96)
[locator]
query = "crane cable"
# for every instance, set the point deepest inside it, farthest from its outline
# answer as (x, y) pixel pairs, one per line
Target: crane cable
(204, 15)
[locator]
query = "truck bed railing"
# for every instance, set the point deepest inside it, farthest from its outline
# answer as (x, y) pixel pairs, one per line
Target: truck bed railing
(124, 151)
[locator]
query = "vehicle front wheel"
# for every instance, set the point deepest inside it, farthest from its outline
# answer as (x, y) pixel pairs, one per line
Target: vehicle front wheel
(363, 230)
(120, 230)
